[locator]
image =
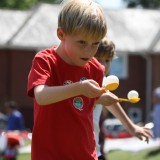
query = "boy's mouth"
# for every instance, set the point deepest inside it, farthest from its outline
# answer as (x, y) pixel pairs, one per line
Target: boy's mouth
(85, 59)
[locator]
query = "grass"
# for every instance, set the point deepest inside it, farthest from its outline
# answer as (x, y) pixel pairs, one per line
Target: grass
(24, 157)
(149, 154)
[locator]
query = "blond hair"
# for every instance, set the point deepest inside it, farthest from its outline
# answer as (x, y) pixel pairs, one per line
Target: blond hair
(83, 17)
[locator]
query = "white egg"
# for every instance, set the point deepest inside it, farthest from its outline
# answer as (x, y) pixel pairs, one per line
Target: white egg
(132, 94)
(110, 79)
(110, 83)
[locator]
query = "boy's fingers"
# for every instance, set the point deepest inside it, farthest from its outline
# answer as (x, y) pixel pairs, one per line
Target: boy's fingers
(103, 90)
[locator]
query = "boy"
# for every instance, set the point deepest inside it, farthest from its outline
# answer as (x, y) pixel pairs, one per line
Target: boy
(105, 54)
(65, 82)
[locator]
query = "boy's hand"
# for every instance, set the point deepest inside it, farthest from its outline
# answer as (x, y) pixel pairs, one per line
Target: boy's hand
(90, 89)
(142, 133)
(107, 99)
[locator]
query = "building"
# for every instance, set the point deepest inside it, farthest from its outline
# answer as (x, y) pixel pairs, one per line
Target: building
(136, 33)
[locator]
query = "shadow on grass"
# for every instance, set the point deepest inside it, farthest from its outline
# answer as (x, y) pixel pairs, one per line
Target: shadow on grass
(153, 152)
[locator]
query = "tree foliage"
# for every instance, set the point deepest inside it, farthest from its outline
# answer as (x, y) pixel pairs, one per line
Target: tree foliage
(23, 4)
(153, 4)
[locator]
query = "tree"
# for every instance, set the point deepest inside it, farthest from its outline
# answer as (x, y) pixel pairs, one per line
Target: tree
(153, 4)
(23, 4)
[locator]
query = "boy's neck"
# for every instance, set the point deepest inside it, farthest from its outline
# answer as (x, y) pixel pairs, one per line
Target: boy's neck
(59, 50)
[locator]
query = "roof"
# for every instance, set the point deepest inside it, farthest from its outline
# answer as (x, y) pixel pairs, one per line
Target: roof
(132, 30)
(40, 30)
(10, 23)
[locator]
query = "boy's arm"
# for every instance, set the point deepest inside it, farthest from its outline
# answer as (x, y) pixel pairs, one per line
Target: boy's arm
(45, 95)
(107, 99)
(139, 132)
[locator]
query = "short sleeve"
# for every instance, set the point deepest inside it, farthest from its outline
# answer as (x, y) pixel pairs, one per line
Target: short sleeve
(39, 74)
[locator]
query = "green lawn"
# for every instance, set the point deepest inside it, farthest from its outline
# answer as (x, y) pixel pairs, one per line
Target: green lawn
(149, 154)
(24, 157)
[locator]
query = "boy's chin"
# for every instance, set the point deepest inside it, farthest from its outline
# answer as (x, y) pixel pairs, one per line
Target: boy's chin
(81, 64)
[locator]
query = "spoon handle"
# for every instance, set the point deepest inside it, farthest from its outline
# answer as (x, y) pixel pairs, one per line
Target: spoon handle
(123, 99)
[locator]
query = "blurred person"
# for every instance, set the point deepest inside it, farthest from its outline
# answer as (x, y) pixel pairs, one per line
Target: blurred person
(14, 119)
(13, 142)
(104, 54)
(156, 112)
(14, 123)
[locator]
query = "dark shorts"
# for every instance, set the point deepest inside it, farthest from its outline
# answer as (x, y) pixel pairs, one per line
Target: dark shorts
(102, 157)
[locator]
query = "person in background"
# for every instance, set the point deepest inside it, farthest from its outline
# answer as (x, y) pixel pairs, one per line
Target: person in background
(156, 112)
(104, 54)
(14, 123)
(14, 119)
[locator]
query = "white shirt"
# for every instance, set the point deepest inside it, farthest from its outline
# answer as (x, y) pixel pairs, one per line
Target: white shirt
(96, 117)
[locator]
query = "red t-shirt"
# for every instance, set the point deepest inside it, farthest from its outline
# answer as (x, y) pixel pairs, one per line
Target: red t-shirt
(63, 130)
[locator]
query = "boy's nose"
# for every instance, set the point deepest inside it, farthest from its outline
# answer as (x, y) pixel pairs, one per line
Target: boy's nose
(88, 50)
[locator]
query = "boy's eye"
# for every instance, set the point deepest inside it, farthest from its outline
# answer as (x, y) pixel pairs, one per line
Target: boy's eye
(107, 61)
(95, 44)
(82, 42)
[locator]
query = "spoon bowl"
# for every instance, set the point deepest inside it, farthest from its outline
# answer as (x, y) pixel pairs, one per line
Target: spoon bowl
(110, 83)
(131, 100)
(134, 100)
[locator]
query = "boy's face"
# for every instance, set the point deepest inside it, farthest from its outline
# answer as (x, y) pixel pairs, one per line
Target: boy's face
(105, 61)
(77, 49)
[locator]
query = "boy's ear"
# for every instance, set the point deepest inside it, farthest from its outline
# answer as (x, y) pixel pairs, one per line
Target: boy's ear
(60, 33)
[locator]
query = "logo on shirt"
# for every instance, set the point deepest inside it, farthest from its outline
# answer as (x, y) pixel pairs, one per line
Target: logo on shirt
(78, 103)
(83, 78)
(68, 82)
